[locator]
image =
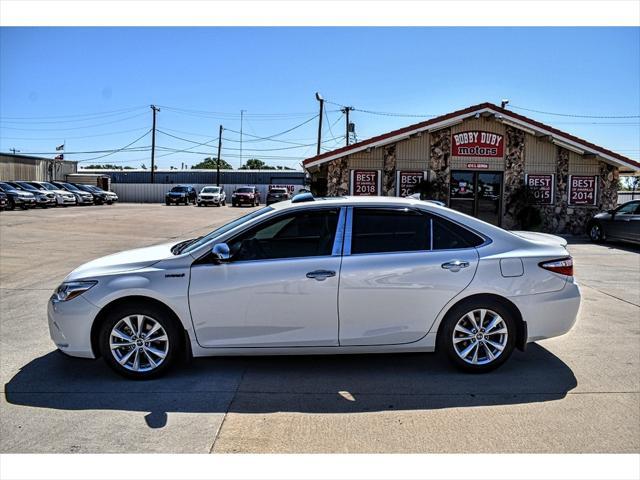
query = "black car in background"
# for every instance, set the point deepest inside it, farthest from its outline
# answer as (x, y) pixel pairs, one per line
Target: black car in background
(82, 197)
(111, 196)
(181, 194)
(43, 199)
(17, 197)
(622, 223)
(277, 194)
(99, 198)
(3, 200)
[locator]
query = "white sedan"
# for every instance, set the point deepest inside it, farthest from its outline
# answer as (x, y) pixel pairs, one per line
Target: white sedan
(322, 276)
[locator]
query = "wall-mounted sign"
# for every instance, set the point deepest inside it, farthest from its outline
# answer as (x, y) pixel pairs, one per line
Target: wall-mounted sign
(365, 182)
(582, 189)
(476, 143)
(407, 180)
(476, 165)
(290, 188)
(542, 187)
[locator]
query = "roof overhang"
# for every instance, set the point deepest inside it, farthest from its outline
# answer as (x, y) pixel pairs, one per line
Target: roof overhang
(485, 110)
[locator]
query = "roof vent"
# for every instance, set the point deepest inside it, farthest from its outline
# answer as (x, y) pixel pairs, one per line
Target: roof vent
(302, 197)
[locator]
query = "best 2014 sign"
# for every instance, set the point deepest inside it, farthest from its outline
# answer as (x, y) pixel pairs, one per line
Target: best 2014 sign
(582, 190)
(365, 182)
(476, 143)
(541, 186)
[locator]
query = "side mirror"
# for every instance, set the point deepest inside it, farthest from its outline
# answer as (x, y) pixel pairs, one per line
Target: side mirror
(221, 252)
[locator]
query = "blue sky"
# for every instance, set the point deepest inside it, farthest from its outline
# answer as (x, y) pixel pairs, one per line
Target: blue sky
(92, 86)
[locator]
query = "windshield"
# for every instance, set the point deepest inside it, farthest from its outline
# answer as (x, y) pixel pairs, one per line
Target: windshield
(26, 186)
(211, 190)
(49, 186)
(7, 188)
(179, 189)
(244, 190)
(73, 188)
(225, 228)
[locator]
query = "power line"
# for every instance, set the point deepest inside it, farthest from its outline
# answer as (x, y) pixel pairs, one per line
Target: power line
(119, 150)
(76, 115)
(77, 136)
(277, 134)
(72, 128)
(97, 117)
(573, 114)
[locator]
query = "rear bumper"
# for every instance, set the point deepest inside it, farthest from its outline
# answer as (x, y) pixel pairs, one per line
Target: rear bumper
(550, 314)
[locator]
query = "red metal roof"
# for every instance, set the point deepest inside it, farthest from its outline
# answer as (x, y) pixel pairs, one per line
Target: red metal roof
(423, 125)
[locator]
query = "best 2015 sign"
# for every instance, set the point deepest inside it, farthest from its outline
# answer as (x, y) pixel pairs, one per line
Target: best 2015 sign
(582, 190)
(476, 143)
(365, 182)
(542, 188)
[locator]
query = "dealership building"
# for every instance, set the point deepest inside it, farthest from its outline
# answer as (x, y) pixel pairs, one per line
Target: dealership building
(477, 160)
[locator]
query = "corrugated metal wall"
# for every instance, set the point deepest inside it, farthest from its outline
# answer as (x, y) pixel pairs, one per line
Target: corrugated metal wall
(540, 155)
(208, 177)
(33, 169)
(413, 154)
(155, 192)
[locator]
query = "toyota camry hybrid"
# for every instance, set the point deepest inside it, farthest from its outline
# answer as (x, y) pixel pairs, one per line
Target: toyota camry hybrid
(322, 276)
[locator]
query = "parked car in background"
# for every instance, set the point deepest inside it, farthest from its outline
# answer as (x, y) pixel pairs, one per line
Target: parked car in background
(99, 197)
(621, 223)
(3, 200)
(63, 197)
(44, 199)
(212, 195)
(17, 197)
(277, 194)
(82, 197)
(181, 194)
(343, 275)
(112, 197)
(245, 196)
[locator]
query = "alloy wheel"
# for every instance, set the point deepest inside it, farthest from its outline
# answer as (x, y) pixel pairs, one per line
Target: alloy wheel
(480, 336)
(595, 233)
(139, 343)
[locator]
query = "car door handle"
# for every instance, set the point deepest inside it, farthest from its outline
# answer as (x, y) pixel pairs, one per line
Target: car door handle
(455, 265)
(321, 274)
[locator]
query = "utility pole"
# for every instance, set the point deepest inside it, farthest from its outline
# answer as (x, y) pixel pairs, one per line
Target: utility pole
(218, 166)
(14, 151)
(241, 123)
(346, 111)
(154, 109)
(321, 100)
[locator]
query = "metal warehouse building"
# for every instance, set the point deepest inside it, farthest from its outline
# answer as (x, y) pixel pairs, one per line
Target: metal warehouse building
(135, 186)
(477, 159)
(41, 169)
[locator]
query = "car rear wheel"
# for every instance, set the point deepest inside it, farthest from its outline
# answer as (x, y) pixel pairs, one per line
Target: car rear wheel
(139, 342)
(479, 336)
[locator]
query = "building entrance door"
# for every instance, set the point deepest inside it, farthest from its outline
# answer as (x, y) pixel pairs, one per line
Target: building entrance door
(478, 194)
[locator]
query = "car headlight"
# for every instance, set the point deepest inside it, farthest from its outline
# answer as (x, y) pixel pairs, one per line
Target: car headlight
(70, 290)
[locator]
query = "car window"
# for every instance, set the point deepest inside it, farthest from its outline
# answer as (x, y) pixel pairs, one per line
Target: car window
(448, 235)
(628, 208)
(389, 230)
(179, 189)
(300, 234)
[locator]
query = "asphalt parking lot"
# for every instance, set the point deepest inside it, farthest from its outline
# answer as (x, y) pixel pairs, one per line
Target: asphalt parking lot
(576, 393)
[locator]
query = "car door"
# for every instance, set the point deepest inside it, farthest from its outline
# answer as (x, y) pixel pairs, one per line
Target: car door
(280, 287)
(624, 222)
(400, 268)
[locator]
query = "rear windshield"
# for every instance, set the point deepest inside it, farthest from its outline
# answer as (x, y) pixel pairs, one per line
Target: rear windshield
(245, 190)
(179, 189)
(279, 190)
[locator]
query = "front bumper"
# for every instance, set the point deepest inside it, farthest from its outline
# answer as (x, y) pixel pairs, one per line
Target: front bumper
(210, 201)
(29, 202)
(85, 200)
(70, 326)
(176, 199)
(68, 201)
(244, 201)
(550, 314)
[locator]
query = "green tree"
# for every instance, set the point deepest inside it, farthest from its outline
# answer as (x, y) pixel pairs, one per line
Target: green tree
(212, 163)
(256, 164)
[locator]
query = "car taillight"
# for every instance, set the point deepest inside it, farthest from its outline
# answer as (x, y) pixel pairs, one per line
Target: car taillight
(563, 266)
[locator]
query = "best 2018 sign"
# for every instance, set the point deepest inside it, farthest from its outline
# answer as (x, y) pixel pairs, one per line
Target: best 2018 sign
(476, 143)
(541, 186)
(365, 182)
(582, 189)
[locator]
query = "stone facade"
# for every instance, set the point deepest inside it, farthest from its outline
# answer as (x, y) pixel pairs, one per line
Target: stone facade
(338, 177)
(513, 172)
(439, 163)
(389, 171)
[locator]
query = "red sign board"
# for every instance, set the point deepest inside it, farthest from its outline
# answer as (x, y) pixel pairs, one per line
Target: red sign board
(365, 182)
(290, 188)
(483, 166)
(542, 188)
(582, 190)
(475, 143)
(407, 182)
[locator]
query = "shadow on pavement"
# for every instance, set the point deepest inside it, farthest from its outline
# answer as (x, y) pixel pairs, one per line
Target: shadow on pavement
(305, 384)
(609, 245)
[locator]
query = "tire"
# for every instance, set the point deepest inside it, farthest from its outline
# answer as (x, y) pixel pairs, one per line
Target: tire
(167, 203)
(11, 205)
(199, 204)
(475, 354)
(152, 316)
(596, 234)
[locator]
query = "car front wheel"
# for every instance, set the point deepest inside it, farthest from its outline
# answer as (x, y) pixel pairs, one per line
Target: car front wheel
(479, 336)
(139, 342)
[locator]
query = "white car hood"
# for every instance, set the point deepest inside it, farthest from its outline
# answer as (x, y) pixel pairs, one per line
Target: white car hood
(122, 262)
(543, 238)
